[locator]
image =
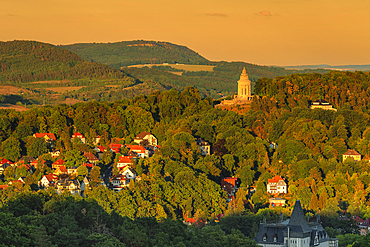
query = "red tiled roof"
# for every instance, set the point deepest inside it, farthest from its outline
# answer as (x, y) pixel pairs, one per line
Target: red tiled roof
(90, 156)
(88, 165)
(101, 148)
(275, 179)
(25, 165)
(119, 177)
(51, 177)
(141, 135)
(42, 135)
(5, 161)
(125, 159)
(3, 186)
(115, 147)
(137, 149)
(78, 134)
(63, 169)
(59, 162)
(351, 152)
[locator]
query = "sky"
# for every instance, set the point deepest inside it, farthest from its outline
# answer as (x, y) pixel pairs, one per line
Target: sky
(263, 32)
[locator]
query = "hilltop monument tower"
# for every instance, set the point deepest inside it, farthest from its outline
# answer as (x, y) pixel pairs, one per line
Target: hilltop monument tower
(245, 87)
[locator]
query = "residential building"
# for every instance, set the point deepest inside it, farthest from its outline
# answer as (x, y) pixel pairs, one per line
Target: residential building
(322, 104)
(91, 157)
(58, 163)
(123, 178)
(138, 150)
(152, 140)
(277, 202)
(351, 153)
(276, 185)
(204, 147)
(294, 232)
(48, 180)
(79, 136)
(48, 137)
(230, 185)
(125, 161)
(68, 184)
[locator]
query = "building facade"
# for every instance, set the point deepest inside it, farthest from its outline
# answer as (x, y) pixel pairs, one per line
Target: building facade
(294, 232)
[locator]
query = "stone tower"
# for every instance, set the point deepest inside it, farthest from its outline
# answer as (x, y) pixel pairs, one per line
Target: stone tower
(245, 87)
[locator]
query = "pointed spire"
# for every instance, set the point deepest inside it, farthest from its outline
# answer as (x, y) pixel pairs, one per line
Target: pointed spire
(297, 219)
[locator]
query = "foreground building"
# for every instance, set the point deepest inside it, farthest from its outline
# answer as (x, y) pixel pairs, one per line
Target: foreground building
(295, 232)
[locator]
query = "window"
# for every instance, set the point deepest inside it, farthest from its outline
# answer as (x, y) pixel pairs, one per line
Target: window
(265, 237)
(275, 238)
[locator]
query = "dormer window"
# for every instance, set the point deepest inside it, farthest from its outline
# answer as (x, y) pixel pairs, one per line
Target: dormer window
(264, 238)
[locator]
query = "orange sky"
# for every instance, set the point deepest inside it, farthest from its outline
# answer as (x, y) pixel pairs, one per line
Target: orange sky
(265, 32)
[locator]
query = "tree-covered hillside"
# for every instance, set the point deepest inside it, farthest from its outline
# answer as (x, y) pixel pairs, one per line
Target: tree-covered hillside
(26, 61)
(127, 53)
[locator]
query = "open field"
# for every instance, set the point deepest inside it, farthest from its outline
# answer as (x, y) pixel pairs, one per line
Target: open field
(52, 81)
(186, 67)
(15, 107)
(12, 90)
(63, 89)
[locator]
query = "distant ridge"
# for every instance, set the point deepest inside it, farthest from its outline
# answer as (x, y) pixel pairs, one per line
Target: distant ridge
(365, 67)
(126, 53)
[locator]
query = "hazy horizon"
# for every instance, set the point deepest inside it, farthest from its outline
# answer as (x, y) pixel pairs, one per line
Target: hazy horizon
(265, 32)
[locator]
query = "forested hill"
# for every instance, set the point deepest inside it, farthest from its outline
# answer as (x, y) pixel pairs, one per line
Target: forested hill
(25, 61)
(127, 53)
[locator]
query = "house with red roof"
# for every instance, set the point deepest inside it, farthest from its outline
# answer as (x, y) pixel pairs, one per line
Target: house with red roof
(61, 170)
(79, 136)
(4, 163)
(125, 160)
(115, 147)
(58, 163)
(34, 163)
(123, 178)
(351, 153)
(230, 185)
(49, 137)
(48, 180)
(140, 151)
(276, 185)
(3, 186)
(146, 136)
(91, 157)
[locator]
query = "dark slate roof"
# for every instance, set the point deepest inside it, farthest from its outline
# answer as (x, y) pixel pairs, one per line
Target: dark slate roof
(297, 221)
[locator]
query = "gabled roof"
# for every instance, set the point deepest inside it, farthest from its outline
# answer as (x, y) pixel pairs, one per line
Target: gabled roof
(88, 165)
(42, 135)
(62, 169)
(115, 147)
(141, 135)
(119, 177)
(51, 177)
(125, 159)
(5, 161)
(136, 148)
(275, 179)
(78, 134)
(101, 148)
(59, 162)
(90, 156)
(351, 152)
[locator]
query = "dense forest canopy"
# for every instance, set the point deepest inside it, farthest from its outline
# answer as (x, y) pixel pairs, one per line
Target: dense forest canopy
(126, 53)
